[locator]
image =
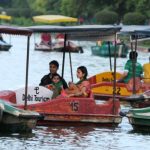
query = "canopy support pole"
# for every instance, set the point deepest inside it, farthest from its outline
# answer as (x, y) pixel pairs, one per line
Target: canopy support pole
(134, 67)
(64, 49)
(70, 64)
(27, 71)
(109, 55)
(114, 76)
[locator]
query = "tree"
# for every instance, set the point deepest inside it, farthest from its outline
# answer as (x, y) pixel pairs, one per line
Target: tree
(106, 17)
(134, 18)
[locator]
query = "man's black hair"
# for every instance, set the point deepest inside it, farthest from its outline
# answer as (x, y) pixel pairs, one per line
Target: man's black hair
(54, 62)
(133, 55)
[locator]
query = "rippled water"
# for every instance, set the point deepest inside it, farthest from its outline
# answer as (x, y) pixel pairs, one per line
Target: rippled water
(12, 76)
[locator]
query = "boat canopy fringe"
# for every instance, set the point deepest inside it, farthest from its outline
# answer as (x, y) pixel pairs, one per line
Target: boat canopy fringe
(15, 30)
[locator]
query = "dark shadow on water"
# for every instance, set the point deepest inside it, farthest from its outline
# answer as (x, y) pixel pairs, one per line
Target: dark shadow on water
(81, 131)
(139, 132)
(18, 135)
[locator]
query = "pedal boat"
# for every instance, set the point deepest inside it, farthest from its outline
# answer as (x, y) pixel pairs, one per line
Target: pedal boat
(72, 111)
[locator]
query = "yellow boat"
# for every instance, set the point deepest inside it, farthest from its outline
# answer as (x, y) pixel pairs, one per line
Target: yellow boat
(102, 85)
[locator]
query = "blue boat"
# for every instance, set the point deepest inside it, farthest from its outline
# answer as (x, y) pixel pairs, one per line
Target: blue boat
(107, 49)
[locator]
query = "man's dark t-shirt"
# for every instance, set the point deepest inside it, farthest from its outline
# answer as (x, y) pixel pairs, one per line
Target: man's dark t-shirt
(47, 79)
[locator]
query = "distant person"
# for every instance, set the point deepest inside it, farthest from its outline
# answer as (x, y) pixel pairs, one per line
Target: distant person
(46, 39)
(128, 69)
(82, 87)
(47, 79)
(146, 69)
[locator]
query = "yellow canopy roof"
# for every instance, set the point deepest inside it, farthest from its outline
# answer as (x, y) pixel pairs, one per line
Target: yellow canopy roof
(5, 17)
(53, 19)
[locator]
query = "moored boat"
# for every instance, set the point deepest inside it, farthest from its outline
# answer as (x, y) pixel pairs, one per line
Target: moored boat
(4, 46)
(58, 45)
(15, 120)
(139, 101)
(104, 51)
(140, 119)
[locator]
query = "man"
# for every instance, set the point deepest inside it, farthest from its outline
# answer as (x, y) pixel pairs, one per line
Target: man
(128, 70)
(47, 79)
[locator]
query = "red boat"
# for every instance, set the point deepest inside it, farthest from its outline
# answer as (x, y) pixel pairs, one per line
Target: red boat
(62, 110)
(69, 111)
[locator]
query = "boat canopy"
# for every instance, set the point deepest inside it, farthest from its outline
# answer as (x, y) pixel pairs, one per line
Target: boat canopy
(82, 32)
(54, 19)
(5, 17)
(143, 32)
(15, 30)
(139, 32)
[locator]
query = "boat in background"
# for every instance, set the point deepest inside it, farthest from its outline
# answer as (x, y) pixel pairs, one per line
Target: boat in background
(4, 46)
(140, 119)
(58, 43)
(139, 101)
(107, 49)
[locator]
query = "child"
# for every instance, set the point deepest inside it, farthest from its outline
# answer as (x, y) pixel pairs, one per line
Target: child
(56, 85)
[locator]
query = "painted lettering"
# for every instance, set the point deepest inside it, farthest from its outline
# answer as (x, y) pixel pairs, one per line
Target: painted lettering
(74, 106)
(107, 79)
(36, 90)
(35, 98)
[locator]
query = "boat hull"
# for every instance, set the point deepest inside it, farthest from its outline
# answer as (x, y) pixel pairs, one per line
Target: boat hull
(76, 49)
(140, 124)
(140, 119)
(122, 50)
(78, 120)
(15, 124)
(5, 47)
(74, 110)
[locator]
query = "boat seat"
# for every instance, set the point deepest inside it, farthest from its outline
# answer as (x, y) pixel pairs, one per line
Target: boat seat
(8, 96)
(138, 84)
(107, 84)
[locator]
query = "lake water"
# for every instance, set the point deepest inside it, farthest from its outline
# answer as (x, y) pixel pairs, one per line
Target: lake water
(12, 76)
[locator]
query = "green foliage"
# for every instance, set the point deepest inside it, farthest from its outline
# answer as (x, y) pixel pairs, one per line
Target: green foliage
(86, 9)
(23, 12)
(106, 17)
(22, 21)
(134, 18)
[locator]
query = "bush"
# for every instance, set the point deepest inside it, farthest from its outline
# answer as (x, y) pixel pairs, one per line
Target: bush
(19, 12)
(134, 18)
(22, 21)
(106, 17)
